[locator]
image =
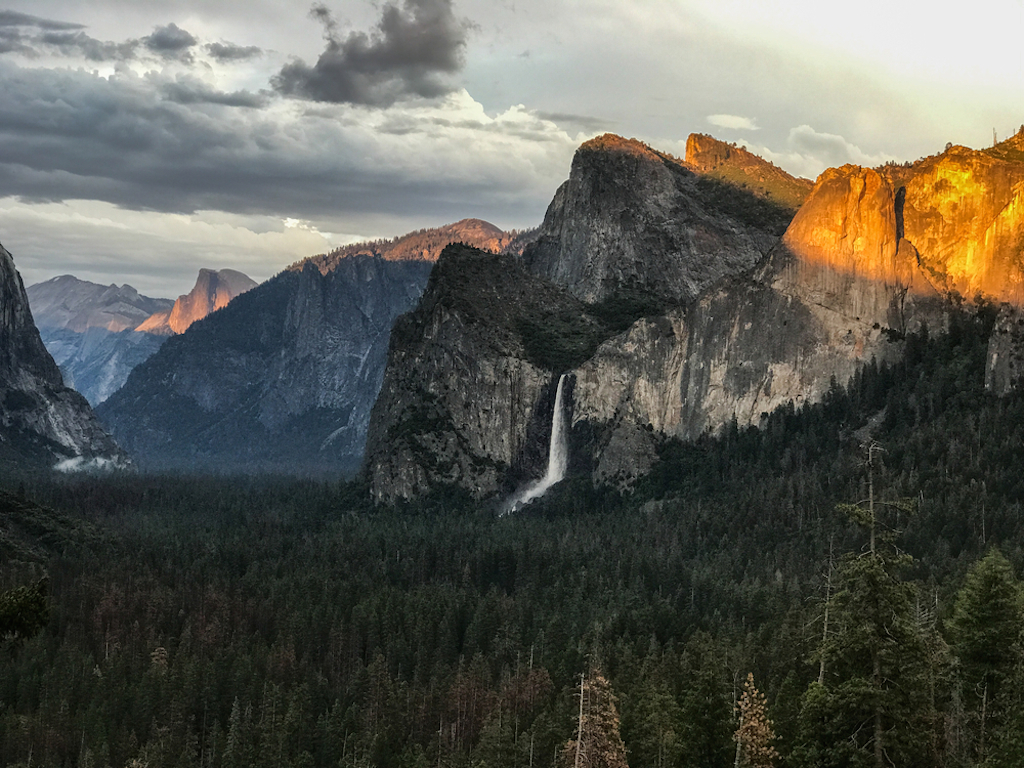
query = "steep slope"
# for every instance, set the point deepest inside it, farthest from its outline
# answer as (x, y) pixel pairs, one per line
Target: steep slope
(631, 220)
(284, 377)
(212, 291)
(468, 383)
(736, 166)
(68, 303)
(42, 422)
(87, 328)
(871, 255)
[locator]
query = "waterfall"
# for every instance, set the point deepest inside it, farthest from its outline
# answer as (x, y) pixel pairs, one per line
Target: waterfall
(558, 456)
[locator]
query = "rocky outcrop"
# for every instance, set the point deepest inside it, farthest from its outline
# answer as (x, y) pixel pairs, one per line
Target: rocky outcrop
(735, 165)
(1004, 371)
(42, 422)
(634, 220)
(88, 329)
(284, 377)
(212, 291)
(469, 377)
(68, 303)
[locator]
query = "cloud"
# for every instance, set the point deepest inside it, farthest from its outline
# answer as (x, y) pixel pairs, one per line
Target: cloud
(189, 90)
(733, 122)
(808, 152)
(408, 55)
(584, 123)
(170, 40)
(230, 52)
(16, 19)
(179, 145)
(73, 44)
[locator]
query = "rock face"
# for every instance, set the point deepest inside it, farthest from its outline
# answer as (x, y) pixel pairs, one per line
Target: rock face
(71, 304)
(631, 219)
(212, 291)
(88, 329)
(468, 383)
(744, 321)
(284, 377)
(42, 422)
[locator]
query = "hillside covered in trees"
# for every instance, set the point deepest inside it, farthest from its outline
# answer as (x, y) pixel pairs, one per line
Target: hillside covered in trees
(843, 577)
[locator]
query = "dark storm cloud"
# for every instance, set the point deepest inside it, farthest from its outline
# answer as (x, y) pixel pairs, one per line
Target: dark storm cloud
(81, 44)
(409, 54)
(15, 19)
(231, 52)
(191, 91)
(146, 143)
(170, 40)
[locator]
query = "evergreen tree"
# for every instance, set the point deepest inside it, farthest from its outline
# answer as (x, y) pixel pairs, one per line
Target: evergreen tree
(872, 707)
(597, 743)
(755, 737)
(984, 632)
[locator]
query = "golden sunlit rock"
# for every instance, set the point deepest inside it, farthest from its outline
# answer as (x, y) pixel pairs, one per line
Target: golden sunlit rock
(961, 215)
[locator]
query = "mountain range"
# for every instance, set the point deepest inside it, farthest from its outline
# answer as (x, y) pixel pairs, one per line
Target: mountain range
(97, 334)
(283, 379)
(729, 305)
(677, 295)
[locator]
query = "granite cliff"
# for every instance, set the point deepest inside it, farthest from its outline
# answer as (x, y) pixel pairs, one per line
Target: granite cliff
(213, 290)
(42, 422)
(634, 220)
(284, 377)
(740, 320)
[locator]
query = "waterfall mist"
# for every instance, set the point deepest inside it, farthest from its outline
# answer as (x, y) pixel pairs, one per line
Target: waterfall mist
(558, 456)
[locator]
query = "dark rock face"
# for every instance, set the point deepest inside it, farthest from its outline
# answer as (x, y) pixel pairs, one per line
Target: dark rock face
(633, 219)
(42, 422)
(88, 329)
(282, 379)
(466, 373)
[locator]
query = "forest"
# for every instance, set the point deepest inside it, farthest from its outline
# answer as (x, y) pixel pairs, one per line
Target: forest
(836, 588)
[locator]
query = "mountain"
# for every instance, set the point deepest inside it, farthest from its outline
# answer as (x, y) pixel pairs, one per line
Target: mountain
(68, 303)
(88, 329)
(212, 291)
(468, 390)
(283, 378)
(738, 322)
(42, 422)
(98, 335)
(634, 220)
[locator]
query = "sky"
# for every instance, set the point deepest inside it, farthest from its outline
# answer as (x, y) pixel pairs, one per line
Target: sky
(141, 141)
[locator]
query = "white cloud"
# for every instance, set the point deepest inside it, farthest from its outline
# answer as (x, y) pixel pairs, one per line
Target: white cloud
(733, 122)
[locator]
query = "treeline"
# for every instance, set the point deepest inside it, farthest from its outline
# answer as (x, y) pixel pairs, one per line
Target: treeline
(272, 623)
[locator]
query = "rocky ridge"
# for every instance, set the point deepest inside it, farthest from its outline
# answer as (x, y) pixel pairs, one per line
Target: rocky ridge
(213, 290)
(284, 377)
(746, 321)
(42, 422)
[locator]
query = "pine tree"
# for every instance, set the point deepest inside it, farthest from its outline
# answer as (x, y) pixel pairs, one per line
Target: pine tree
(597, 743)
(872, 707)
(755, 736)
(984, 631)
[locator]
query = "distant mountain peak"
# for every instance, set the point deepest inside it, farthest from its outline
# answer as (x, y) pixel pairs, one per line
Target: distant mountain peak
(422, 245)
(66, 302)
(213, 290)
